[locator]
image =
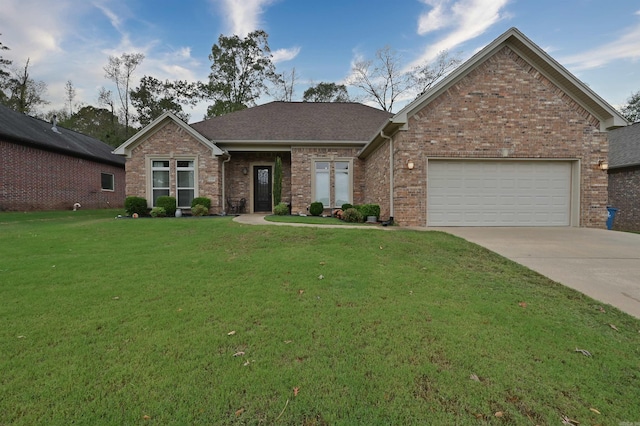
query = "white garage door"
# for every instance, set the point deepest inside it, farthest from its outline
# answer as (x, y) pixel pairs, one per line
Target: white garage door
(498, 193)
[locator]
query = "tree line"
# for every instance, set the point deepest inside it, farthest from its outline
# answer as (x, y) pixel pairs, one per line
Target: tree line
(242, 71)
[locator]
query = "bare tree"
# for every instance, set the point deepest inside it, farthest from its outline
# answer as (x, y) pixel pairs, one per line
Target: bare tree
(120, 71)
(70, 93)
(283, 85)
(384, 81)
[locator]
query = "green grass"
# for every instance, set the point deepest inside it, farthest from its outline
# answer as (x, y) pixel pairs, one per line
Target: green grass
(107, 321)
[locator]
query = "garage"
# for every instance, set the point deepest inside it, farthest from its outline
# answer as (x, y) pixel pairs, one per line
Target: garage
(499, 193)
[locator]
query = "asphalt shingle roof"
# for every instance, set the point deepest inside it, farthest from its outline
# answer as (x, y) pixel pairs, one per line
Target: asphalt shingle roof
(30, 131)
(296, 121)
(624, 146)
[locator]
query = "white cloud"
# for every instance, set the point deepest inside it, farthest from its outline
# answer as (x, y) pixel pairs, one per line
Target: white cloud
(243, 16)
(283, 55)
(464, 20)
(627, 46)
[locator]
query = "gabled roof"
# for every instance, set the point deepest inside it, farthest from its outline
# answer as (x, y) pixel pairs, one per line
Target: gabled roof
(609, 117)
(29, 131)
(157, 124)
(624, 146)
(295, 122)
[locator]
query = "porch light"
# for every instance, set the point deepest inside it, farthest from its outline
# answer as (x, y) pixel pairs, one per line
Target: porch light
(245, 171)
(603, 165)
(410, 165)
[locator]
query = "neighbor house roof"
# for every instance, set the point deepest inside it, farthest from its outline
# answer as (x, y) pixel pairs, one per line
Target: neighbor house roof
(624, 146)
(608, 116)
(295, 122)
(29, 131)
(157, 124)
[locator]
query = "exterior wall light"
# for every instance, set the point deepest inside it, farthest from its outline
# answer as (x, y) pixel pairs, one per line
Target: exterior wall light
(410, 165)
(245, 171)
(603, 165)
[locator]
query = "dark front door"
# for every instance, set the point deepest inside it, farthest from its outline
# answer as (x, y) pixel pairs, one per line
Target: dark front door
(262, 188)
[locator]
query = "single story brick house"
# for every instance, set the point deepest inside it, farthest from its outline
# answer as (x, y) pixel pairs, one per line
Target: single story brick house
(510, 138)
(624, 176)
(45, 167)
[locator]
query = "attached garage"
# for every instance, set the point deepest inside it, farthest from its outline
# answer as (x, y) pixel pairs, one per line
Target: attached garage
(500, 192)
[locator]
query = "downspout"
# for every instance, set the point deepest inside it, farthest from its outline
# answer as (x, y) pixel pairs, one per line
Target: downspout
(391, 173)
(224, 198)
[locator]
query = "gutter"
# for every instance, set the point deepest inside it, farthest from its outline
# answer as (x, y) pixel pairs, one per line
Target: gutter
(391, 174)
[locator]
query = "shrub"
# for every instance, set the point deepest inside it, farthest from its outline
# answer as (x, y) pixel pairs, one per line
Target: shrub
(352, 215)
(158, 212)
(168, 203)
(199, 210)
(135, 205)
(316, 208)
(346, 206)
(203, 201)
(281, 209)
(369, 210)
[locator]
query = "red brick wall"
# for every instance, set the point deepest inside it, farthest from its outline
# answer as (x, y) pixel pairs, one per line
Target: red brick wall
(301, 164)
(624, 194)
(171, 142)
(33, 179)
(503, 104)
(377, 180)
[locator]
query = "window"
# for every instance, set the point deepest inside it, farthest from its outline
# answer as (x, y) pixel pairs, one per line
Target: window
(160, 178)
(332, 183)
(322, 183)
(107, 182)
(342, 184)
(186, 182)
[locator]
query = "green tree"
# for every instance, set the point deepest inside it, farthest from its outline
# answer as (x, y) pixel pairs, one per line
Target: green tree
(70, 94)
(25, 94)
(631, 111)
(326, 92)
(154, 97)
(277, 182)
(97, 123)
(239, 71)
(120, 70)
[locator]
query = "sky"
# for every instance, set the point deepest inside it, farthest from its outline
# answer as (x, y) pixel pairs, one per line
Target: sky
(598, 41)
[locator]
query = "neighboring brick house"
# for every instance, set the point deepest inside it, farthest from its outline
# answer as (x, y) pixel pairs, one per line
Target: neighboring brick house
(624, 176)
(46, 169)
(510, 138)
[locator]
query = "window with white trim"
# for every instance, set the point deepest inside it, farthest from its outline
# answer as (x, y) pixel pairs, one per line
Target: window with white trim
(107, 182)
(160, 179)
(186, 182)
(332, 182)
(322, 187)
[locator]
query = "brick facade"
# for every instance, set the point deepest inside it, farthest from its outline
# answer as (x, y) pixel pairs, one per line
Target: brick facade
(302, 167)
(624, 194)
(504, 108)
(172, 142)
(34, 179)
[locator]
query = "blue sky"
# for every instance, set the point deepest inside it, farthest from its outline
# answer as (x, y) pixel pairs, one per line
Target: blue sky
(598, 41)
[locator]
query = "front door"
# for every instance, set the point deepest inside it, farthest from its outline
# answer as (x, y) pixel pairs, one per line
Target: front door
(262, 189)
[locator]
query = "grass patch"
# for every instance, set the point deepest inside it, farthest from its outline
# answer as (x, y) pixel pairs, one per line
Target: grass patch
(314, 220)
(107, 321)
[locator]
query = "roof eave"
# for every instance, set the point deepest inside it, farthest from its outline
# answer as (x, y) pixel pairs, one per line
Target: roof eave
(608, 116)
(126, 148)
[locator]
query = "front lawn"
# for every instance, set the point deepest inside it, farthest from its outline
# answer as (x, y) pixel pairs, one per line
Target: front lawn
(183, 321)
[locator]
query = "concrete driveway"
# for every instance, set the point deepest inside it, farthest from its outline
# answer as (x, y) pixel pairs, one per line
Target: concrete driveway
(604, 265)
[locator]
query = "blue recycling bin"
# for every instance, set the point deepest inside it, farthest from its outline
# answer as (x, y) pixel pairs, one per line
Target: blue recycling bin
(611, 215)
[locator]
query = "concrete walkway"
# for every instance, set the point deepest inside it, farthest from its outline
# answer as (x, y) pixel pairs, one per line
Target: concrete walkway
(604, 265)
